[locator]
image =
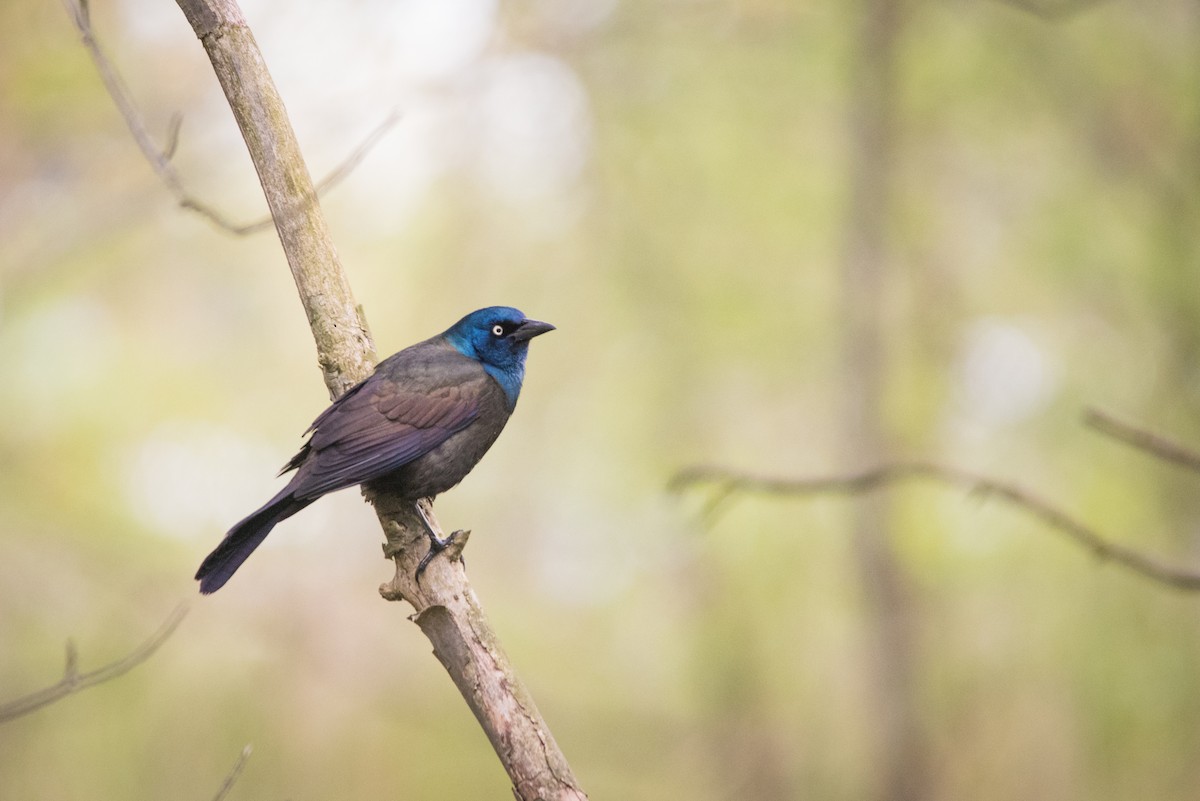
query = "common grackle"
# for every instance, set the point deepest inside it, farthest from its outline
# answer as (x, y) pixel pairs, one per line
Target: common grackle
(416, 427)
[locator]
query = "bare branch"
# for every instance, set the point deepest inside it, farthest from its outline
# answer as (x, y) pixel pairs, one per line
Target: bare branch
(234, 772)
(450, 615)
(160, 160)
(73, 681)
(351, 161)
(730, 481)
(344, 348)
(335, 177)
(173, 126)
(1140, 438)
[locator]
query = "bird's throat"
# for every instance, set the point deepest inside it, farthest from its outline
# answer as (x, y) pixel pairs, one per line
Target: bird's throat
(509, 380)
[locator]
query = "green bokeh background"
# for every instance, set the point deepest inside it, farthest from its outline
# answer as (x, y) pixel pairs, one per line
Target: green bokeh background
(686, 238)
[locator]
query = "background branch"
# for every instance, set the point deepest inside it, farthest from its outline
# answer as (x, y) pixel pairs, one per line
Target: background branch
(232, 777)
(73, 681)
(729, 482)
(160, 160)
(1153, 444)
(446, 607)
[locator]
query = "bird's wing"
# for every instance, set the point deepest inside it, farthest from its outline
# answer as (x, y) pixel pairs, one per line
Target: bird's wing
(376, 428)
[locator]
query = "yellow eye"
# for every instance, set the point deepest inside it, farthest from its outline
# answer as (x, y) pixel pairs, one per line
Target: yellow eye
(498, 330)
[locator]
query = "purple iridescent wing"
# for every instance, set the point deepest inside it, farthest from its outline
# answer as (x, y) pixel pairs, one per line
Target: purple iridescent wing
(376, 428)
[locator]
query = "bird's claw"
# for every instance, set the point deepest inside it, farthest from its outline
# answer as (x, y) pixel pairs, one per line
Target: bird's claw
(454, 543)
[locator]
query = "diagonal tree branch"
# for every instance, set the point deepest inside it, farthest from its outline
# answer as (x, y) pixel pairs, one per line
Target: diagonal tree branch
(351, 162)
(160, 160)
(344, 347)
(446, 607)
(1153, 444)
(73, 681)
(234, 772)
(731, 482)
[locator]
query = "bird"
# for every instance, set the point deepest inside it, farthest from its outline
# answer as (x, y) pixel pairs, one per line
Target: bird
(415, 427)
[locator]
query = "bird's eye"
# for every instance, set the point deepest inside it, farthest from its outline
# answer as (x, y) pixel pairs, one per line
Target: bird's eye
(498, 330)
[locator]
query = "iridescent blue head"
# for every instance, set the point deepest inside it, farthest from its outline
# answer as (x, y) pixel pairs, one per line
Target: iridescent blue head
(499, 337)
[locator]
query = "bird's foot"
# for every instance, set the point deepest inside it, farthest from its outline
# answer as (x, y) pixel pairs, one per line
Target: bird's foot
(453, 543)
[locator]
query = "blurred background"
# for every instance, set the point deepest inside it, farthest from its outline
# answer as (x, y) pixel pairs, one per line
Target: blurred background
(788, 238)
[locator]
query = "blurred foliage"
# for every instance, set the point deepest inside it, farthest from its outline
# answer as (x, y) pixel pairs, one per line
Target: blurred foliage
(666, 183)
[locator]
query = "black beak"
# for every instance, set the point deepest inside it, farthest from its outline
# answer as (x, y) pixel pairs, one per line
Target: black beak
(529, 329)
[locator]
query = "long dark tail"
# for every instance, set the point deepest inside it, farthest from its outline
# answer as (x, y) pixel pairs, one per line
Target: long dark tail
(243, 538)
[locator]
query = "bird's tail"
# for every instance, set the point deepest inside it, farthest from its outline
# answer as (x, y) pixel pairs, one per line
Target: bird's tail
(243, 538)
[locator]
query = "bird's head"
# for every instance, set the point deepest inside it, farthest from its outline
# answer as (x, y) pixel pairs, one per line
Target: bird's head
(498, 336)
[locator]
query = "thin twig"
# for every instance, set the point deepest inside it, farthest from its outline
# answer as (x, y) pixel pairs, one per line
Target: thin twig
(233, 774)
(160, 159)
(173, 127)
(331, 180)
(730, 481)
(1154, 444)
(73, 681)
(351, 161)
